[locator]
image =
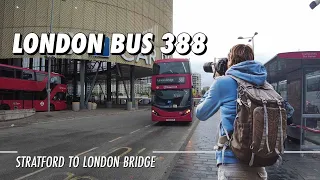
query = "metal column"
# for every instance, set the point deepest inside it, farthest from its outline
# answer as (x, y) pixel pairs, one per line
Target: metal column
(109, 94)
(75, 78)
(82, 84)
(132, 99)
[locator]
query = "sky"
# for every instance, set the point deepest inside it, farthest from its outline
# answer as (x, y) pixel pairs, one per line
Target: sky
(282, 26)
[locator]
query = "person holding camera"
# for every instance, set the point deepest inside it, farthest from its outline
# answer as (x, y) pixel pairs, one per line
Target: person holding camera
(222, 96)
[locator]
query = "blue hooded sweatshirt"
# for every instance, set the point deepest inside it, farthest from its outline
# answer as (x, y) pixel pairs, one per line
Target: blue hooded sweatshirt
(223, 94)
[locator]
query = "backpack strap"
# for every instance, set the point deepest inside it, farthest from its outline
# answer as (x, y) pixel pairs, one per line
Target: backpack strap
(223, 141)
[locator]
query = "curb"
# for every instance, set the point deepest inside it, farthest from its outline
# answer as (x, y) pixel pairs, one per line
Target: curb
(176, 157)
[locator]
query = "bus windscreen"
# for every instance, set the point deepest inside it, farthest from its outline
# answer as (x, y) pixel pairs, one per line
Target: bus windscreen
(172, 98)
(171, 68)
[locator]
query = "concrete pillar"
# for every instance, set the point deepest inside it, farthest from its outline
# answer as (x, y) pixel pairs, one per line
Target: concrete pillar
(132, 99)
(109, 94)
(86, 75)
(82, 84)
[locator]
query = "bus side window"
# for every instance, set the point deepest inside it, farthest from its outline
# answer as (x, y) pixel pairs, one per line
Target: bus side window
(28, 75)
(18, 74)
(40, 76)
(7, 72)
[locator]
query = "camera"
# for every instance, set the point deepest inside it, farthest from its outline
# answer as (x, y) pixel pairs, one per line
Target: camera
(221, 66)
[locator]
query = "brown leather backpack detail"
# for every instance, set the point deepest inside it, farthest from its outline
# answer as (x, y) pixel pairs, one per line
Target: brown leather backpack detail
(260, 125)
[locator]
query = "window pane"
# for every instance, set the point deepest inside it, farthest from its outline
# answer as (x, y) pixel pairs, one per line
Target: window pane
(312, 95)
(40, 76)
(18, 73)
(171, 68)
(27, 75)
(41, 95)
(172, 98)
(61, 96)
(7, 72)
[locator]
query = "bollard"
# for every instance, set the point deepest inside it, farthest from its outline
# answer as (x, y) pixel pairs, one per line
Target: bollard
(136, 104)
(94, 105)
(75, 106)
(129, 106)
(89, 105)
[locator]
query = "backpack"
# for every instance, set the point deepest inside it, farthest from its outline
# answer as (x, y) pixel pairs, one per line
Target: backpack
(260, 125)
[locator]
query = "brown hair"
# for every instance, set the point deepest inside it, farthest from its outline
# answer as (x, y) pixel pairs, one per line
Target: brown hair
(240, 53)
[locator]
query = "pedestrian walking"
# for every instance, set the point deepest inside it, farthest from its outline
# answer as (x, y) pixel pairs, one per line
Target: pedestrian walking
(242, 151)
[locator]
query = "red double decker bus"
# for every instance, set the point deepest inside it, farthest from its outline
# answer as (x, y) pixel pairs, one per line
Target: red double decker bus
(22, 88)
(171, 89)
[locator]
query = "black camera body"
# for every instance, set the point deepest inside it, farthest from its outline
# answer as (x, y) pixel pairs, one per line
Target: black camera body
(221, 66)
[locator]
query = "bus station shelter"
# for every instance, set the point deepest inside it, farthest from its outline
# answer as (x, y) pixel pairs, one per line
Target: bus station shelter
(296, 76)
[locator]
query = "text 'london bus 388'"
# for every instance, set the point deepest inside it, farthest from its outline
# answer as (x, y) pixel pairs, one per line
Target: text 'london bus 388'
(171, 90)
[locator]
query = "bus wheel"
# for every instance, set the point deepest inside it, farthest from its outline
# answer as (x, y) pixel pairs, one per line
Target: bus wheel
(4, 107)
(52, 107)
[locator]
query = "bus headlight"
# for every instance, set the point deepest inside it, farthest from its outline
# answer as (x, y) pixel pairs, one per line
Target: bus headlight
(186, 112)
(154, 112)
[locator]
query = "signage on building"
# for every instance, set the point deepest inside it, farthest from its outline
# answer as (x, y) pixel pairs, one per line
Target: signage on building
(148, 59)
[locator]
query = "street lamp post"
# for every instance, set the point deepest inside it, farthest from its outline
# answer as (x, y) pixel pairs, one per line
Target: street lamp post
(49, 62)
(250, 39)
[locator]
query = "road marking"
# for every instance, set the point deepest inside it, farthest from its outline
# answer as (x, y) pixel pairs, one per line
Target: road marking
(86, 151)
(8, 152)
(135, 131)
(115, 139)
(30, 174)
(128, 150)
(140, 151)
(301, 152)
(40, 170)
(148, 125)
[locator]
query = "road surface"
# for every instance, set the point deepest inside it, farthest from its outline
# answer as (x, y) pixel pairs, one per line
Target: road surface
(128, 134)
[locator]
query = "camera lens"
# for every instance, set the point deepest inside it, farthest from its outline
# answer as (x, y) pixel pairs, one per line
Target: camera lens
(207, 67)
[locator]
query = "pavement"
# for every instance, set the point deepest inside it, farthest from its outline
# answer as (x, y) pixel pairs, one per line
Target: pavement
(101, 132)
(202, 166)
